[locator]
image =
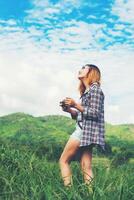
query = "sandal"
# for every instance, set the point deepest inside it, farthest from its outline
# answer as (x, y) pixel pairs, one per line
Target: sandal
(90, 181)
(69, 185)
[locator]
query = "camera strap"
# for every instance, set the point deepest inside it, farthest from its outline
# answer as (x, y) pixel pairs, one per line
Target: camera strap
(80, 124)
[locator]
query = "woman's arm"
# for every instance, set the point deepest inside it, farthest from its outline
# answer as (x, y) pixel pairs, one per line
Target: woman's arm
(73, 113)
(79, 107)
(92, 111)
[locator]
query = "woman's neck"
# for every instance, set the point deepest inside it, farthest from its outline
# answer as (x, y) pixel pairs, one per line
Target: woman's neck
(86, 84)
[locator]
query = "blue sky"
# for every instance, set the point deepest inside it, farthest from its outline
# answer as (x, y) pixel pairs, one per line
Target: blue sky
(40, 39)
(48, 16)
(13, 9)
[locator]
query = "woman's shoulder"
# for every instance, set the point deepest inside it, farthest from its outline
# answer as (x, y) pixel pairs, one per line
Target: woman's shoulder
(96, 88)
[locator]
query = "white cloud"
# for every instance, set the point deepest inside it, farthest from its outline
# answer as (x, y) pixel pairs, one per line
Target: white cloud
(124, 9)
(73, 35)
(36, 73)
(44, 9)
(119, 27)
(10, 22)
(113, 108)
(34, 81)
(35, 32)
(124, 24)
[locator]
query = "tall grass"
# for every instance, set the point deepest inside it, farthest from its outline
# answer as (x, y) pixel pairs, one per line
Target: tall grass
(24, 176)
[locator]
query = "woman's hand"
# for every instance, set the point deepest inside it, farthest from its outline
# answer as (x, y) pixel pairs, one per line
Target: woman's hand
(70, 102)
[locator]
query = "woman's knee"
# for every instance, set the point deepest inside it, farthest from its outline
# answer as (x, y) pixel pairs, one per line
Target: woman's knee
(86, 164)
(86, 160)
(69, 150)
(63, 159)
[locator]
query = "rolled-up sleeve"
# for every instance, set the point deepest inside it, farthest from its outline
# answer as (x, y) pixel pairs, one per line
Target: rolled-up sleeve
(93, 109)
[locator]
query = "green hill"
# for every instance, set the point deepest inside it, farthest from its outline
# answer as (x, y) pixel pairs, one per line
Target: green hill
(29, 147)
(120, 136)
(55, 129)
(26, 128)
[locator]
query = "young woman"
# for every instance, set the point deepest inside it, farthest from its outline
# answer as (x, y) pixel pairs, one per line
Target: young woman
(90, 127)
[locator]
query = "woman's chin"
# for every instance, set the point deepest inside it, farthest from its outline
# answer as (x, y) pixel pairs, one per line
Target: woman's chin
(80, 77)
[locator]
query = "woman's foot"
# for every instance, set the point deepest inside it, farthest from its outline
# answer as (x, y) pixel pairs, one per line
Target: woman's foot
(89, 184)
(68, 181)
(68, 187)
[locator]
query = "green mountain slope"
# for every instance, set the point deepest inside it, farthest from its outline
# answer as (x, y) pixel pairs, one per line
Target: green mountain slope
(30, 148)
(25, 128)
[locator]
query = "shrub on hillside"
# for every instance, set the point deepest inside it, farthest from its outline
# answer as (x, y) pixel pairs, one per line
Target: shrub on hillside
(50, 150)
(122, 157)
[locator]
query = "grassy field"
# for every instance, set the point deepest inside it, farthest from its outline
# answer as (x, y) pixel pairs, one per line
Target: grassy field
(29, 170)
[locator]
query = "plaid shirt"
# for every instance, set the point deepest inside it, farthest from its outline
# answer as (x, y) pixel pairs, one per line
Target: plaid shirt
(92, 118)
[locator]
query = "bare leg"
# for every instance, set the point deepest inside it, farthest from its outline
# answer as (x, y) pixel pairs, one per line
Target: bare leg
(69, 150)
(86, 165)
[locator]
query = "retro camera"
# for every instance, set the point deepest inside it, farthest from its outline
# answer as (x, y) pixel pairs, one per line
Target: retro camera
(64, 106)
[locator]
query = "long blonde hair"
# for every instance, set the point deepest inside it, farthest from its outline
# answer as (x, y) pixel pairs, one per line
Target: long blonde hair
(94, 75)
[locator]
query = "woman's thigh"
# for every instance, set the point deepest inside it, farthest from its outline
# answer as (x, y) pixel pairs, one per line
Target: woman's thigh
(86, 157)
(70, 149)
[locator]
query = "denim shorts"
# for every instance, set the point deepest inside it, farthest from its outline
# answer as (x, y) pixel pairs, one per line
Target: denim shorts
(77, 134)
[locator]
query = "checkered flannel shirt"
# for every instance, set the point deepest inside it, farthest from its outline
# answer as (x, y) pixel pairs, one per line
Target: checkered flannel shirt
(92, 118)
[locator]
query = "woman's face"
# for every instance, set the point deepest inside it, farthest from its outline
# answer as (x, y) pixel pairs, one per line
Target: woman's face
(83, 72)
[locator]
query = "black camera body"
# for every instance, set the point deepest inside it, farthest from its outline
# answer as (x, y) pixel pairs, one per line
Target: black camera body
(64, 106)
